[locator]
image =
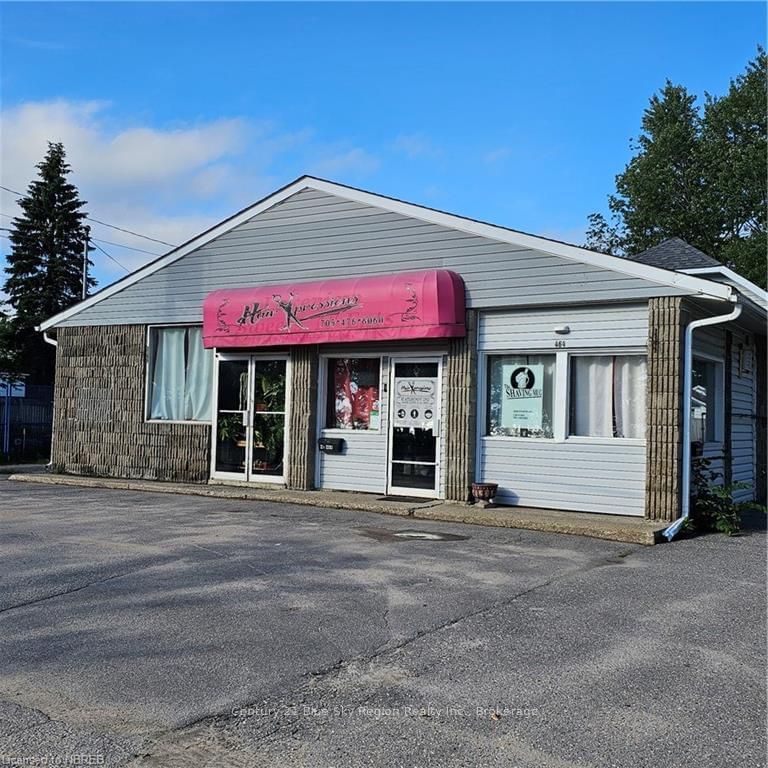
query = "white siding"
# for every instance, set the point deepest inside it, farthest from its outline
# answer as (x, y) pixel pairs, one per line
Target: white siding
(711, 343)
(620, 325)
(595, 477)
(313, 235)
(362, 467)
(743, 426)
(606, 476)
(364, 464)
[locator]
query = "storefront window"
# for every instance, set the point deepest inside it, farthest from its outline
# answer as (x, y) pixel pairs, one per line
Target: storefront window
(520, 390)
(180, 373)
(608, 396)
(705, 376)
(353, 393)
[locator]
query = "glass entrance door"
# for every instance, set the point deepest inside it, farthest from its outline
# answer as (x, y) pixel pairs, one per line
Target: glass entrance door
(267, 420)
(249, 430)
(414, 434)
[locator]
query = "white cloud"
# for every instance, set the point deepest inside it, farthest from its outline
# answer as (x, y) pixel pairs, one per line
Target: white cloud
(350, 162)
(102, 156)
(138, 177)
(167, 182)
(497, 156)
(414, 145)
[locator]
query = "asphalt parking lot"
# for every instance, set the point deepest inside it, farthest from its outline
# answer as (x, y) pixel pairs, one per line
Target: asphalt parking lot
(145, 629)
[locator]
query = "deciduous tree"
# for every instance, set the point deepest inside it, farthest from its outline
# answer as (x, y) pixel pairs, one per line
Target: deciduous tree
(696, 174)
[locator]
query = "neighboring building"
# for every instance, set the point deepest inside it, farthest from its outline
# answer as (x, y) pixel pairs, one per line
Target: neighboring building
(331, 338)
(26, 418)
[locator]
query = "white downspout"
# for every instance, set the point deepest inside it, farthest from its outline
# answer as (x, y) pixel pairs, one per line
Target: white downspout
(54, 343)
(670, 532)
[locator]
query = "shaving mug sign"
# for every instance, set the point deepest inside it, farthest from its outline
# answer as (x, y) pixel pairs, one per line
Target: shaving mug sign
(522, 403)
(415, 401)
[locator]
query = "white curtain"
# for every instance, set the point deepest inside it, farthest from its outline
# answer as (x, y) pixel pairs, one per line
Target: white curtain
(608, 396)
(629, 395)
(591, 396)
(168, 374)
(182, 372)
(198, 378)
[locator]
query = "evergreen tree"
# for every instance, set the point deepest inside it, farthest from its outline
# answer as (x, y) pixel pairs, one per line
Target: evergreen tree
(44, 267)
(698, 177)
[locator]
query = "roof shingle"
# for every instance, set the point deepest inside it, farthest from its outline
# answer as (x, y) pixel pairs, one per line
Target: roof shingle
(675, 254)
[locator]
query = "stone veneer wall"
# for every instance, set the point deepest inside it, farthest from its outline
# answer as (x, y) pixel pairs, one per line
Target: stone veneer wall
(461, 413)
(667, 318)
(99, 426)
(302, 427)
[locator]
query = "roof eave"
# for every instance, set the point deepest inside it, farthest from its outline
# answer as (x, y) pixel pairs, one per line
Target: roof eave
(688, 284)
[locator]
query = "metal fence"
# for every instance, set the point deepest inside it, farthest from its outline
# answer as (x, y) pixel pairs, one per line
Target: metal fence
(28, 422)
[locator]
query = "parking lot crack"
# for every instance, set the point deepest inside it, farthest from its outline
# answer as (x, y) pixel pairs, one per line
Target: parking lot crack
(73, 590)
(224, 719)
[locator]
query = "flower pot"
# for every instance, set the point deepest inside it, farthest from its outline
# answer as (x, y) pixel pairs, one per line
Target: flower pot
(484, 493)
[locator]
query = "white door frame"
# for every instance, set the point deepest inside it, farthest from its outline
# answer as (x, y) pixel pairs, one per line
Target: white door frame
(398, 490)
(247, 475)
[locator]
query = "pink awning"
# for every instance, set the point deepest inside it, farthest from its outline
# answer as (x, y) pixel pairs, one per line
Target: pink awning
(409, 305)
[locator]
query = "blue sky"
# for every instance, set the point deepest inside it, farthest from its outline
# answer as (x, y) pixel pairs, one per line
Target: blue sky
(175, 115)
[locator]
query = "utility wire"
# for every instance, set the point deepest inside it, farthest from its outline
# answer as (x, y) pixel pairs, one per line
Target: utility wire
(103, 223)
(90, 239)
(98, 239)
(129, 247)
(108, 256)
(130, 232)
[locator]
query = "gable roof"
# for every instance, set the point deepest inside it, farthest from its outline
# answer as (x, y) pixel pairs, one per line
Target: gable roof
(685, 283)
(675, 254)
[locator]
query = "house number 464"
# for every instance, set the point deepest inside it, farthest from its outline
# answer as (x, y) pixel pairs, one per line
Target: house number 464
(560, 344)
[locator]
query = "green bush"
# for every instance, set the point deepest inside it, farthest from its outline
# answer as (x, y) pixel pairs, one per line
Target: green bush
(712, 504)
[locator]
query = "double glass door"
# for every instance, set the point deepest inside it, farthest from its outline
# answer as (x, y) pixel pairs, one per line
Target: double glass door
(414, 432)
(249, 432)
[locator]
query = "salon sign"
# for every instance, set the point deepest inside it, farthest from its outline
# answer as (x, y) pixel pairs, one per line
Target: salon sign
(415, 403)
(406, 305)
(522, 398)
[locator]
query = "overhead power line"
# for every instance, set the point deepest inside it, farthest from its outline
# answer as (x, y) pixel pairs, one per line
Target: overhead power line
(108, 256)
(98, 239)
(130, 232)
(91, 240)
(104, 223)
(129, 247)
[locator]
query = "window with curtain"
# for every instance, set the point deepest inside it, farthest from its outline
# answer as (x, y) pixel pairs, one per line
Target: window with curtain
(607, 396)
(353, 393)
(180, 375)
(705, 400)
(520, 390)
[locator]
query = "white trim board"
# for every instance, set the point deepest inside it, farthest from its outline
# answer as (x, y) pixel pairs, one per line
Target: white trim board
(750, 290)
(689, 284)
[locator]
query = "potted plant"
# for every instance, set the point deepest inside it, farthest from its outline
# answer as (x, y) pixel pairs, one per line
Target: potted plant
(230, 427)
(484, 493)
